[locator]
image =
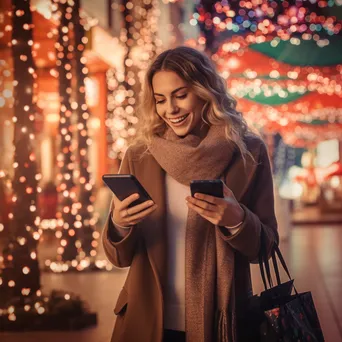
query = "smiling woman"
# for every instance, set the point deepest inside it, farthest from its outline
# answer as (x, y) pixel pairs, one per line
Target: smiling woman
(185, 77)
(189, 256)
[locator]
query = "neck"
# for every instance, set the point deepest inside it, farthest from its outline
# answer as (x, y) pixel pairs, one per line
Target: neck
(200, 131)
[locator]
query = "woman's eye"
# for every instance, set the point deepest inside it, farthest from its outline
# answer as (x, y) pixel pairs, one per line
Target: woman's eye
(160, 101)
(182, 96)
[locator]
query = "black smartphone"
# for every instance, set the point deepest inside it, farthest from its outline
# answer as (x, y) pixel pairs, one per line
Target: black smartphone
(125, 185)
(212, 187)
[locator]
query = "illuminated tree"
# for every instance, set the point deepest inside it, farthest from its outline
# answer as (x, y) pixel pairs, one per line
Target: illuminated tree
(69, 244)
(20, 277)
(86, 233)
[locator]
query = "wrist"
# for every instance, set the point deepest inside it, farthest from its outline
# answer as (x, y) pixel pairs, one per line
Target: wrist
(242, 213)
(121, 227)
(117, 225)
(239, 221)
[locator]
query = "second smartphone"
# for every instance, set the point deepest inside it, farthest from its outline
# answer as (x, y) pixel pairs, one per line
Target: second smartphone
(212, 187)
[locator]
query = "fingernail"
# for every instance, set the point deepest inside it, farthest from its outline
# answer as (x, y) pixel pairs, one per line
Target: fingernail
(136, 196)
(150, 202)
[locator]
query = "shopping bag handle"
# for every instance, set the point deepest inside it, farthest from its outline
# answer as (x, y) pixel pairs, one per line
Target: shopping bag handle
(275, 267)
(264, 263)
(262, 272)
(277, 251)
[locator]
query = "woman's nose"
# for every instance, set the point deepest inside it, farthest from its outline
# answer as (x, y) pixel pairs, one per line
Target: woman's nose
(172, 108)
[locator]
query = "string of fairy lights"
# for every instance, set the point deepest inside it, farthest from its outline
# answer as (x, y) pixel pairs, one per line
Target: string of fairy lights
(121, 95)
(19, 271)
(257, 81)
(87, 234)
(231, 60)
(139, 38)
(262, 18)
(148, 45)
(243, 87)
(68, 206)
(76, 218)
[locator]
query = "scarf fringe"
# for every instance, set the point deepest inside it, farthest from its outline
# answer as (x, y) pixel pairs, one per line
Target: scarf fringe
(222, 327)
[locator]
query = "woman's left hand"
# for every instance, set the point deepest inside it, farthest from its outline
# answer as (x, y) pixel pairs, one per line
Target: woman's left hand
(219, 211)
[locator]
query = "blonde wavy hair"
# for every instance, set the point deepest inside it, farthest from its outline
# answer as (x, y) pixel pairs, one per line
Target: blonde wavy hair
(197, 70)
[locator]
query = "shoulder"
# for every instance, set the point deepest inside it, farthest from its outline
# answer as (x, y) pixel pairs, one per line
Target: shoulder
(256, 146)
(138, 155)
(136, 152)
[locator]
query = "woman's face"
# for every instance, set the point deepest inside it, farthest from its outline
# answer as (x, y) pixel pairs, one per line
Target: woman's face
(176, 103)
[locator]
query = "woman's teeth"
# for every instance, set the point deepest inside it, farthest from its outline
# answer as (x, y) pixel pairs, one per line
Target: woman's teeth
(178, 120)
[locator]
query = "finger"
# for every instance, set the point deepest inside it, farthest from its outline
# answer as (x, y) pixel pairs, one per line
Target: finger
(142, 214)
(203, 212)
(209, 198)
(210, 216)
(202, 204)
(127, 201)
(133, 223)
(139, 207)
(124, 213)
(212, 220)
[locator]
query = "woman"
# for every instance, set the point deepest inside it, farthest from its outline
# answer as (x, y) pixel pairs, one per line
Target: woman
(189, 257)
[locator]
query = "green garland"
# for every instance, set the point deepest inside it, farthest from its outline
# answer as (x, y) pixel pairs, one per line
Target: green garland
(307, 53)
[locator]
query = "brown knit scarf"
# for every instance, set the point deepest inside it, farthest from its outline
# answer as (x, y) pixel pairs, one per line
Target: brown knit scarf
(209, 270)
(191, 157)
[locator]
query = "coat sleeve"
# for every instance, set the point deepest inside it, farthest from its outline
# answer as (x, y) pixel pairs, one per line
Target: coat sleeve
(120, 251)
(259, 214)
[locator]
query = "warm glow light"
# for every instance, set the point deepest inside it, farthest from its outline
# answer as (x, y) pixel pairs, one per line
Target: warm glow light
(121, 97)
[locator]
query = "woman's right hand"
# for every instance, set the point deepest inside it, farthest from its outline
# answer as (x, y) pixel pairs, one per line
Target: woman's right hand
(126, 217)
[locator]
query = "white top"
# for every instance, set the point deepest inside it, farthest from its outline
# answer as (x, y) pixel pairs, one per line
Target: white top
(177, 214)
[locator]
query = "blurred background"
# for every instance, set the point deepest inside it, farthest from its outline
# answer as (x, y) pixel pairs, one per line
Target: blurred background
(70, 78)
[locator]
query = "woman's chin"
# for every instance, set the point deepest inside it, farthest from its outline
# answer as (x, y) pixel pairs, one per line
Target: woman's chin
(181, 131)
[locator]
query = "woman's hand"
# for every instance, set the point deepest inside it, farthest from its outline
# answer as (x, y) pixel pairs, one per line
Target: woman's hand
(125, 217)
(225, 212)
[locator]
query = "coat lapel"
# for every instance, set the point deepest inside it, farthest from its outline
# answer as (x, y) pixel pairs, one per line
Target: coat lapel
(152, 177)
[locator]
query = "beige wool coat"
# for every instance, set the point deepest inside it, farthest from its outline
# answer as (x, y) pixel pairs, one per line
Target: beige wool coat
(139, 307)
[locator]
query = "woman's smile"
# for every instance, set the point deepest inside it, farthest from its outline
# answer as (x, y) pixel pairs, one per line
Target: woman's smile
(180, 120)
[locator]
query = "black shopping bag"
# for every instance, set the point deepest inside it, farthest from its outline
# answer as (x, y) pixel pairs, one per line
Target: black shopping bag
(277, 315)
(296, 320)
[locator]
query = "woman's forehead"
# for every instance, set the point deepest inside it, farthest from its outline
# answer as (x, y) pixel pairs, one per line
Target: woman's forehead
(165, 82)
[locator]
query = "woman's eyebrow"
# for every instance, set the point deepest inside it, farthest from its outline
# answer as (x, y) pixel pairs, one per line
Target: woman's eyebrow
(174, 91)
